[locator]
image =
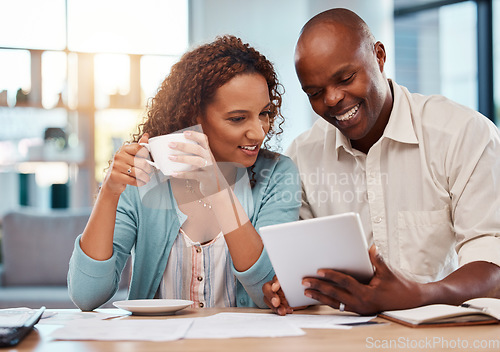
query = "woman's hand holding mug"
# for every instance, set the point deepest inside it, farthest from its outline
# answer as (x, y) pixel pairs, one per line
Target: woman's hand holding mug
(161, 150)
(128, 167)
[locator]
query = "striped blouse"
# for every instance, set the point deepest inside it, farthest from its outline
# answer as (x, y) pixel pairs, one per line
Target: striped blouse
(200, 273)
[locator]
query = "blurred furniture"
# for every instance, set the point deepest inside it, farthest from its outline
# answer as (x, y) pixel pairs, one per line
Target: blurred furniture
(36, 248)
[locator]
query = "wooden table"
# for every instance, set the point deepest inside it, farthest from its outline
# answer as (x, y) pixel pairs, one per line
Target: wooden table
(382, 337)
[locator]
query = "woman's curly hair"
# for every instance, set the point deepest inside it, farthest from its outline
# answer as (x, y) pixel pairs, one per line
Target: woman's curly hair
(193, 81)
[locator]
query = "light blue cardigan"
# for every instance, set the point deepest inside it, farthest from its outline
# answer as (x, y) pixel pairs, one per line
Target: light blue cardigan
(147, 225)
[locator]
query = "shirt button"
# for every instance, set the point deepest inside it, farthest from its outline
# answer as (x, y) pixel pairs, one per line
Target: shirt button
(198, 250)
(201, 305)
(377, 220)
(200, 278)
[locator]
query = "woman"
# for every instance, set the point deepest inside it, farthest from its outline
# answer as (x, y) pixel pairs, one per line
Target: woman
(200, 240)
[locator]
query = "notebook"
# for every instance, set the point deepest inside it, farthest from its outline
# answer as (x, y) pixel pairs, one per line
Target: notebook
(472, 312)
(298, 249)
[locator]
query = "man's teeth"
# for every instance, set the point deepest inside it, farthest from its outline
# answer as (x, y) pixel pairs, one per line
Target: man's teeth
(248, 148)
(348, 115)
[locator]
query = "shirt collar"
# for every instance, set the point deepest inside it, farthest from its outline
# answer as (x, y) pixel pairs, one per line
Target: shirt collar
(399, 128)
(342, 141)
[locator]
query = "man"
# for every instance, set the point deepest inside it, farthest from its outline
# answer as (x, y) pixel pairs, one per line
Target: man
(422, 172)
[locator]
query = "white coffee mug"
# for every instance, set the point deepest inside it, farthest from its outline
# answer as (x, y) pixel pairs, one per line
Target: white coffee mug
(159, 149)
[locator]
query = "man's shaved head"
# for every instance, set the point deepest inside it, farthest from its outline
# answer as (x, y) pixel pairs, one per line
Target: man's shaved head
(342, 17)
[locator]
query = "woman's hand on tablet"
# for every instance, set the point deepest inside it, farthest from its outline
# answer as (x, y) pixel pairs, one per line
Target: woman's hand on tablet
(275, 298)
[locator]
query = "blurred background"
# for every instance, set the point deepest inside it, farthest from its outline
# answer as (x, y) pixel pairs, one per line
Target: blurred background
(75, 75)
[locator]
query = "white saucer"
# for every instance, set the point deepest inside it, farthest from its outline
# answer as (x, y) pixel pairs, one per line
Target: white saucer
(153, 306)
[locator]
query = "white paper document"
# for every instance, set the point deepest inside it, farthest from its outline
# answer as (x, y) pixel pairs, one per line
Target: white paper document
(124, 330)
(231, 325)
(218, 326)
(311, 321)
(63, 316)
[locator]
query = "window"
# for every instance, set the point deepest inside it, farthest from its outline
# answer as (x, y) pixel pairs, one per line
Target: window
(33, 24)
(128, 26)
(496, 58)
(442, 48)
(15, 67)
(84, 67)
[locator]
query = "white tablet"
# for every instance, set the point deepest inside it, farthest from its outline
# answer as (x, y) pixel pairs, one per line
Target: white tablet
(298, 249)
